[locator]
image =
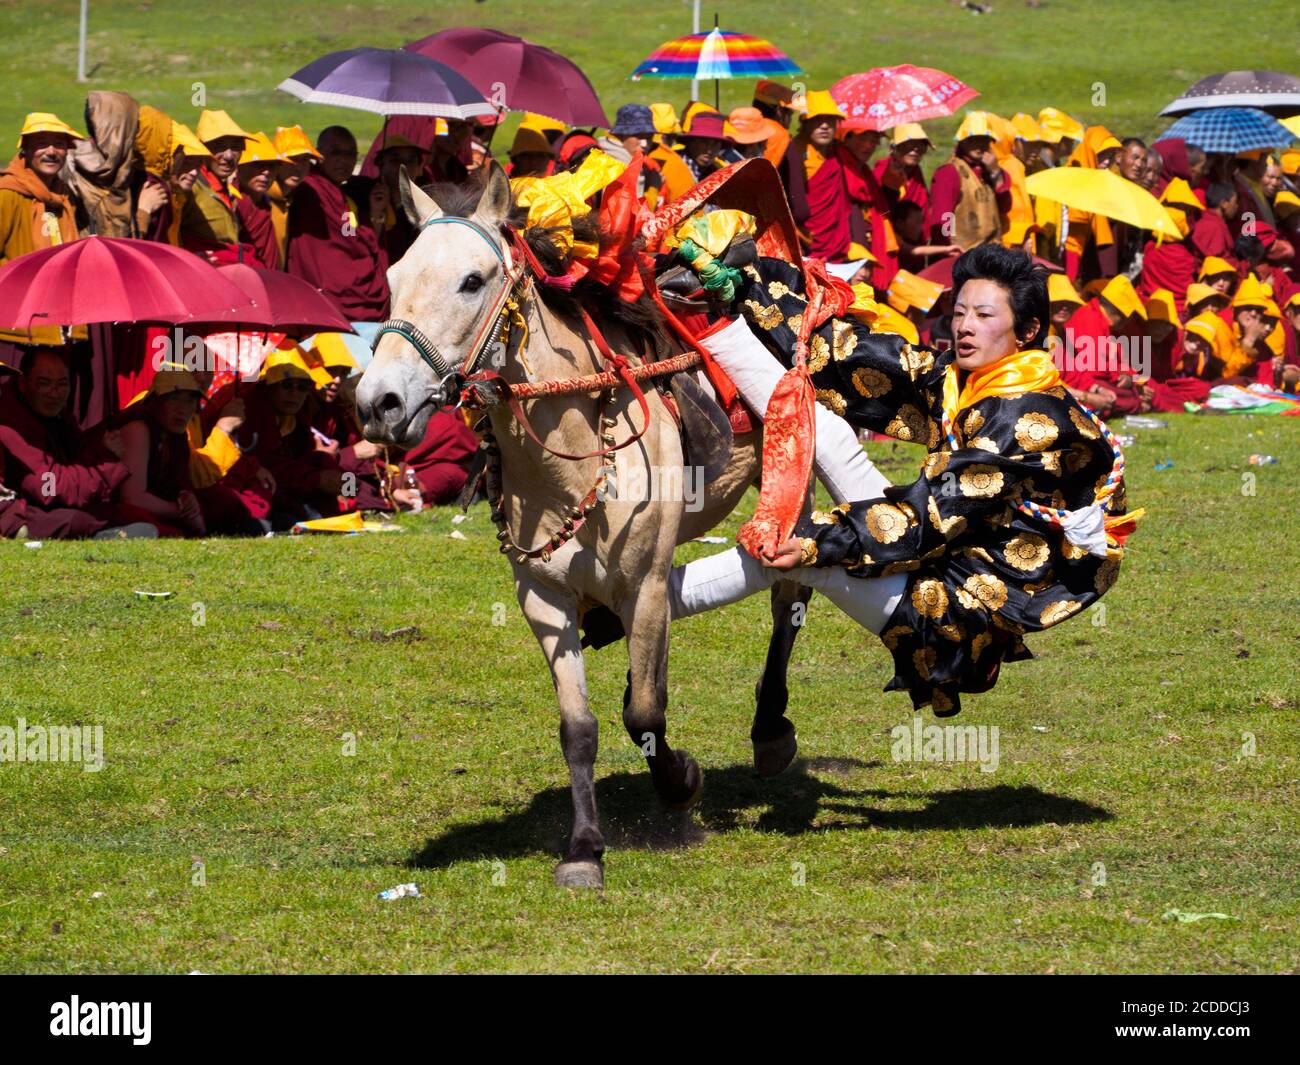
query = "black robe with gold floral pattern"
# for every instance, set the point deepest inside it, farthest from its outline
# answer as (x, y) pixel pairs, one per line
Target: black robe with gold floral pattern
(980, 573)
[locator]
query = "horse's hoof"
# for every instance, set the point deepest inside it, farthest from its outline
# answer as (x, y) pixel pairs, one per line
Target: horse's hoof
(692, 785)
(774, 756)
(581, 874)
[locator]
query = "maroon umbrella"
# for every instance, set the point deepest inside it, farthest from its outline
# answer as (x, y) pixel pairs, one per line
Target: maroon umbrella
(116, 279)
(940, 271)
(285, 303)
(517, 75)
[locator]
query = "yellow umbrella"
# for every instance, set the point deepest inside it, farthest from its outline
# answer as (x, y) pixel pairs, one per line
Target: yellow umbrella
(1293, 124)
(1103, 192)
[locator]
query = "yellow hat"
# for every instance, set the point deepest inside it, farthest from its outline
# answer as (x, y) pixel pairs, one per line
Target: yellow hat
(541, 123)
(213, 125)
(1276, 340)
(286, 361)
(291, 141)
(910, 131)
(259, 149)
(1121, 294)
(1285, 204)
(1057, 125)
(857, 251)
(1108, 142)
(166, 381)
(1212, 329)
(1254, 154)
(1292, 300)
(907, 290)
(888, 320)
(183, 139)
(819, 103)
(974, 124)
(665, 119)
(528, 139)
(1060, 290)
(153, 141)
(332, 350)
(1026, 128)
(1291, 161)
(1160, 307)
(1199, 290)
(696, 107)
(44, 122)
(1179, 194)
(1253, 293)
(1214, 265)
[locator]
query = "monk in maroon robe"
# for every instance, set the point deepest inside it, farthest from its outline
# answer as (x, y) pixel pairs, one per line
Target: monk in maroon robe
(57, 484)
(1211, 235)
(332, 244)
(441, 458)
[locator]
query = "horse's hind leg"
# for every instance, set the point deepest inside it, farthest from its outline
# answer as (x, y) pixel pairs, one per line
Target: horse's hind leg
(553, 617)
(773, 733)
(677, 777)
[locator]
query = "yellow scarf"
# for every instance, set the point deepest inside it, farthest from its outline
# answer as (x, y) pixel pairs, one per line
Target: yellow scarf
(1023, 371)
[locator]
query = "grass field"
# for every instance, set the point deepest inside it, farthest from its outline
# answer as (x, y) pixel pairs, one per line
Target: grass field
(1121, 759)
(1110, 61)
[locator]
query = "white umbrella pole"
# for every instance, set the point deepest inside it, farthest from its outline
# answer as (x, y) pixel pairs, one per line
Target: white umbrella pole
(695, 85)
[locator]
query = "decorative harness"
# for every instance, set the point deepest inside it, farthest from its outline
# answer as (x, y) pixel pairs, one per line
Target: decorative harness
(481, 389)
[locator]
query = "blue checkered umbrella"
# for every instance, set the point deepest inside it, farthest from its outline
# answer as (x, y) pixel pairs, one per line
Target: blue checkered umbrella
(1230, 129)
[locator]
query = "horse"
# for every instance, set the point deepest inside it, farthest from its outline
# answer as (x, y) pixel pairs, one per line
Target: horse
(460, 282)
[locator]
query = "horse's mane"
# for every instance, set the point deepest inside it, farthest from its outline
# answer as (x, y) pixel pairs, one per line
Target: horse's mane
(642, 318)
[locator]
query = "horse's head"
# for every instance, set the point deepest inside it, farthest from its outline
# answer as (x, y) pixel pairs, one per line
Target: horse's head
(446, 291)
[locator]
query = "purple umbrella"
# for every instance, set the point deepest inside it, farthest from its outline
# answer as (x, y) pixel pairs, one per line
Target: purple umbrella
(387, 82)
(1266, 90)
(517, 75)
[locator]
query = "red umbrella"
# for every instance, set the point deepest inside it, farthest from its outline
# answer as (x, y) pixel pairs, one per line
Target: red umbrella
(886, 97)
(517, 75)
(286, 303)
(115, 279)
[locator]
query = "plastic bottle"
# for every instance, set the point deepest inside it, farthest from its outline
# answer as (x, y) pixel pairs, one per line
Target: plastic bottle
(1262, 460)
(412, 483)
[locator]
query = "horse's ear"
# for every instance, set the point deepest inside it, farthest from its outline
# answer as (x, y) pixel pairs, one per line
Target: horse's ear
(494, 205)
(419, 206)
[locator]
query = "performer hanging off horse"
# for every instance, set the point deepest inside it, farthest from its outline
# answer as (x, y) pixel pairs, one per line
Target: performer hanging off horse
(1016, 522)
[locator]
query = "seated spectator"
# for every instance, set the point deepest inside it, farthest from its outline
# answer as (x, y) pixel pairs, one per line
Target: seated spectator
(332, 241)
(257, 168)
(56, 485)
(338, 431)
(209, 218)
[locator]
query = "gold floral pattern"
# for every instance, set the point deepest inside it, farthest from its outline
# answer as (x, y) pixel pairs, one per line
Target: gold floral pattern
(915, 362)
(870, 382)
(1105, 576)
(941, 701)
(954, 632)
(977, 645)
(794, 323)
(1036, 431)
(890, 637)
(819, 353)
(1058, 611)
(980, 481)
(972, 423)
(908, 424)
(768, 317)
(886, 522)
(924, 658)
(930, 598)
(936, 462)
(777, 289)
(1084, 424)
(844, 338)
(985, 444)
(1051, 461)
(987, 590)
(1027, 551)
(1078, 457)
(831, 399)
(807, 551)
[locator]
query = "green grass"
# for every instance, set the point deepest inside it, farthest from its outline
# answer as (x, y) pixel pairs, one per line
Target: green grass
(1141, 54)
(224, 745)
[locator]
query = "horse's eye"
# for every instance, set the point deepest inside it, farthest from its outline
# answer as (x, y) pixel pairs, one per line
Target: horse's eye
(472, 283)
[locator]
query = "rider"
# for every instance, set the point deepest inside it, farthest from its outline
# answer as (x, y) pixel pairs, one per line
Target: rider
(1017, 520)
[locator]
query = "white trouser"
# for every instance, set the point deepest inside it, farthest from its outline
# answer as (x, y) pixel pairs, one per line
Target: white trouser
(843, 467)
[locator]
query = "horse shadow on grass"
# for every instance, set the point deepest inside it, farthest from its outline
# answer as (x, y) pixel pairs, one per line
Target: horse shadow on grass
(791, 804)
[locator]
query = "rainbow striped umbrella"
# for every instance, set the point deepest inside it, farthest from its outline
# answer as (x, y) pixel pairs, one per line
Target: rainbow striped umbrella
(716, 54)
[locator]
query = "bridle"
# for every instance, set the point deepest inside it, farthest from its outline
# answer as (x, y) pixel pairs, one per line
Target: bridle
(495, 326)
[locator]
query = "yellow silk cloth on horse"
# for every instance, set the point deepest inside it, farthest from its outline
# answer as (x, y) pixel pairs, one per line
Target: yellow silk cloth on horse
(554, 202)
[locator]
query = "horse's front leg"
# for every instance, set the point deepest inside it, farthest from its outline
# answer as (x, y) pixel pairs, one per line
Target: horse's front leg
(677, 778)
(553, 617)
(772, 733)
